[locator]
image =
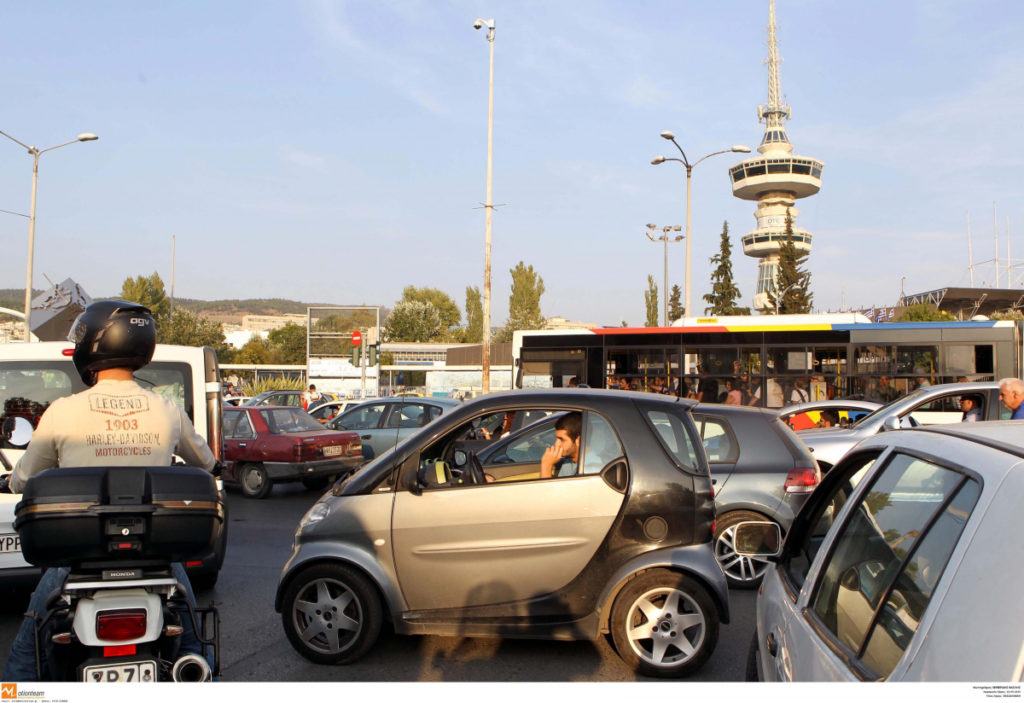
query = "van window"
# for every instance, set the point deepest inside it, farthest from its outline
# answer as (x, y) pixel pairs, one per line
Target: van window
(28, 388)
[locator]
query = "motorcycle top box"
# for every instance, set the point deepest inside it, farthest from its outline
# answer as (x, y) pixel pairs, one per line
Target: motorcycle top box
(77, 516)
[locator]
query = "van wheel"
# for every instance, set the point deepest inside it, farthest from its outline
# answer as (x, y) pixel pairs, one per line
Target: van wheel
(254, 481)
(664, 624)
(332, 614)
(740, 572)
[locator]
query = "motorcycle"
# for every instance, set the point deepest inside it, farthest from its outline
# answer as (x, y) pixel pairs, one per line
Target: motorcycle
(121, 613)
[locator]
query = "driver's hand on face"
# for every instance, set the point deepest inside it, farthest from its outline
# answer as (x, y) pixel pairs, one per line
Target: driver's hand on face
(552, 455)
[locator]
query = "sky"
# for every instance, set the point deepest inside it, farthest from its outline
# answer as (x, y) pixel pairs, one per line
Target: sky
(335, 152)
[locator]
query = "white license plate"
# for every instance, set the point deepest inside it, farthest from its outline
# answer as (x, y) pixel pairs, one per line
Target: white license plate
(125, 672)
(10, 544)
(333, 450)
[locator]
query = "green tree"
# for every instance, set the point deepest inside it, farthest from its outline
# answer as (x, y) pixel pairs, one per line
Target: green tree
(413, 321)
(523, 302)
(255, 351)
(290, 342)
(651, 302)
(148, 291)
(924, 312)
(190, 330)
(675, 305)
(792, 282)
(1007, 315)
(442, 302)
(342, 323)
(724, 295)
(474, 332)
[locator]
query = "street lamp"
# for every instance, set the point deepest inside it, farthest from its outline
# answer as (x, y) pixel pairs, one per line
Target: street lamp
(666, 239)
(485, 361)
(36, 153)
(739, 148)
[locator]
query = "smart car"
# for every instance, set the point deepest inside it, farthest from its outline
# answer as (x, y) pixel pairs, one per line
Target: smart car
(619, 542)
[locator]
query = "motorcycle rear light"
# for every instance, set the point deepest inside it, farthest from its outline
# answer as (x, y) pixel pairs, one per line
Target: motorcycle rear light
(802, 479)
(120, 650)
(121, 625)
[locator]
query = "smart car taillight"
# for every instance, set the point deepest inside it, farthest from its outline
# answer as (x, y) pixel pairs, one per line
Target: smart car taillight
(802, 479)
(121, 625)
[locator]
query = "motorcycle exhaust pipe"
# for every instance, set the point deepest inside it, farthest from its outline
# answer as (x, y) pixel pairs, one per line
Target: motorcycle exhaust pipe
(191, 668)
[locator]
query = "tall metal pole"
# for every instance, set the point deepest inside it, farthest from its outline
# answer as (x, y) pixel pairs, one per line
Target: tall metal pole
(174, 241)
(689, 173)
(31, 246)
(664, 283)
(485, 373)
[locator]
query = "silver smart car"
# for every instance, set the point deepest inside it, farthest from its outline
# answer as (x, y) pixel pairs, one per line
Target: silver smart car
(619, 541)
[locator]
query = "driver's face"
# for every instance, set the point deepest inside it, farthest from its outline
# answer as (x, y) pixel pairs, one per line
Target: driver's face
(566, 446)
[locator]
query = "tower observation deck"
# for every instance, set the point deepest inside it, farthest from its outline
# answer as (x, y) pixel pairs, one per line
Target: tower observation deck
(775, 179)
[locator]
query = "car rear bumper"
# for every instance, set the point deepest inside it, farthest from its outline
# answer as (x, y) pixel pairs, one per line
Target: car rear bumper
(288, 471)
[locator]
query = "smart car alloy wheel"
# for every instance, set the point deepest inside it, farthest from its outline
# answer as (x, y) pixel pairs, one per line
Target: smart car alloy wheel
(664, 624)
(332, 614)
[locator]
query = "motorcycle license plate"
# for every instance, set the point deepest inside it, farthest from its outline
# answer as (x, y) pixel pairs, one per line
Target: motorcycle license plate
(10, 544)
(124, 672)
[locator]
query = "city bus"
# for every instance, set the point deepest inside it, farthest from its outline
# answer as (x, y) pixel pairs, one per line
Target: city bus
(825, 356)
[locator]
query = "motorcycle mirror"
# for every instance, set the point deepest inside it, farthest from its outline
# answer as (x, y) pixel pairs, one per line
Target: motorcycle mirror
(17, 431)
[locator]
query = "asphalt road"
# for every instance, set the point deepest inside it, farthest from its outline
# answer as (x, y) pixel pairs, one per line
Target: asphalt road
(254, 647)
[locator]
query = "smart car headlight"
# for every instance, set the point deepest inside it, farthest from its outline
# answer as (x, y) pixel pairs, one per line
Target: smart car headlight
(318, 512)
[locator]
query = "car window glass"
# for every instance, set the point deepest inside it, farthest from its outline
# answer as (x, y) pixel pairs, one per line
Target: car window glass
(229, 422)
(364, 417)
(806, 540)
(905, 603)
(409, 415)
(289, 421)
(530, 447)
(717, 438)
(602, 445)
(871, 549)
(244, 430)
(671, 429)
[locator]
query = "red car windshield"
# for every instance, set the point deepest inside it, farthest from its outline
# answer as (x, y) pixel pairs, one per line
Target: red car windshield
(290, 421)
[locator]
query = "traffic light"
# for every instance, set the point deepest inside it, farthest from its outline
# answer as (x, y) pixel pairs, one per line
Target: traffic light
(355, 355)
(373, 352)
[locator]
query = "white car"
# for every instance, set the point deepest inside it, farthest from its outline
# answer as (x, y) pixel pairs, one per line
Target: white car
(902, 565)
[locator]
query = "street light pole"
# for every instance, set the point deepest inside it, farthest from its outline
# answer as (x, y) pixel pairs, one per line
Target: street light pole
(739, 148)
(780, 296)
(485, 361)
(36, 153)
(664, 238)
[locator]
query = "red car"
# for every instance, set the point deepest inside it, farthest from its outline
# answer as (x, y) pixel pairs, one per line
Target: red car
(267, 444)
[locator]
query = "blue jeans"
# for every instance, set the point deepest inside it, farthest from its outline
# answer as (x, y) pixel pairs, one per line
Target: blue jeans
(21, 662)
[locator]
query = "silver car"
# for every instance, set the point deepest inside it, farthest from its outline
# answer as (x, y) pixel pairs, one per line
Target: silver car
(902, 566)
(930, 405)
(385, 422)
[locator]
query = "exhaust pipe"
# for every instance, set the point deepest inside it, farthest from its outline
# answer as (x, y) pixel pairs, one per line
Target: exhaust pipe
(191, 668)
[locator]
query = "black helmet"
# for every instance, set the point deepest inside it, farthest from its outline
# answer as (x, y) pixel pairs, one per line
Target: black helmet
(112, 334)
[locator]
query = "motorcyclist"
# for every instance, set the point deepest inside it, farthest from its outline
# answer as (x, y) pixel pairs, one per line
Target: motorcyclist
(114, 422)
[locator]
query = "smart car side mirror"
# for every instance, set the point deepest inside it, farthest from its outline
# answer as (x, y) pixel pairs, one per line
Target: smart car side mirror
(758, 539)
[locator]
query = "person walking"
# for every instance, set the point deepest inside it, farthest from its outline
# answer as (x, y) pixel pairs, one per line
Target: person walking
(1011, 394)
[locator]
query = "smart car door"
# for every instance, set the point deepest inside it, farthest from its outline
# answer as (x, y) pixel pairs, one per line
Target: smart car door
(466, 545)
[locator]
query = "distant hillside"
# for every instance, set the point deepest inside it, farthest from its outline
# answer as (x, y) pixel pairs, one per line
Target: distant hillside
(220, 310)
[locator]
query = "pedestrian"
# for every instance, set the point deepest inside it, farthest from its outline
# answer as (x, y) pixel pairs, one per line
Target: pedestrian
(1011, 394)
(311, 397)
(799, 394)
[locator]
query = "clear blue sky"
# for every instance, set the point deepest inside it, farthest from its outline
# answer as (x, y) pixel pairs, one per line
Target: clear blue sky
(335, 151)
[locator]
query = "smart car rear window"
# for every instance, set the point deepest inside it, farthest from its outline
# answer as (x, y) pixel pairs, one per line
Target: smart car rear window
(674, 435)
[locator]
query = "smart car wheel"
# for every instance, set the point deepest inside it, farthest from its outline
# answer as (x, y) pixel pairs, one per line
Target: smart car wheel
(740, 572)
(254, 481)
(664, 624)
(332, 614)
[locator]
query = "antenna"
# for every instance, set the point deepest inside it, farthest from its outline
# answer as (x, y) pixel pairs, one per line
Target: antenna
(773, 113)
(970, 253)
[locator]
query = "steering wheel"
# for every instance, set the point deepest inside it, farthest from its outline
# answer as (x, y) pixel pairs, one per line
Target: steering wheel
(474, 470)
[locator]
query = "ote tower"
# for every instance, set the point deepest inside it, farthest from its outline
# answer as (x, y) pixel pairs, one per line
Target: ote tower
(775, 179)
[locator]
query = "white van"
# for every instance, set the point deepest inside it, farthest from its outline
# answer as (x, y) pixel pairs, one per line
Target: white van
(34, 375)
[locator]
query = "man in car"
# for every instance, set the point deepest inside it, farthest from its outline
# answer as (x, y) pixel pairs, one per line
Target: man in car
(562, 458)
(1011, 393)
